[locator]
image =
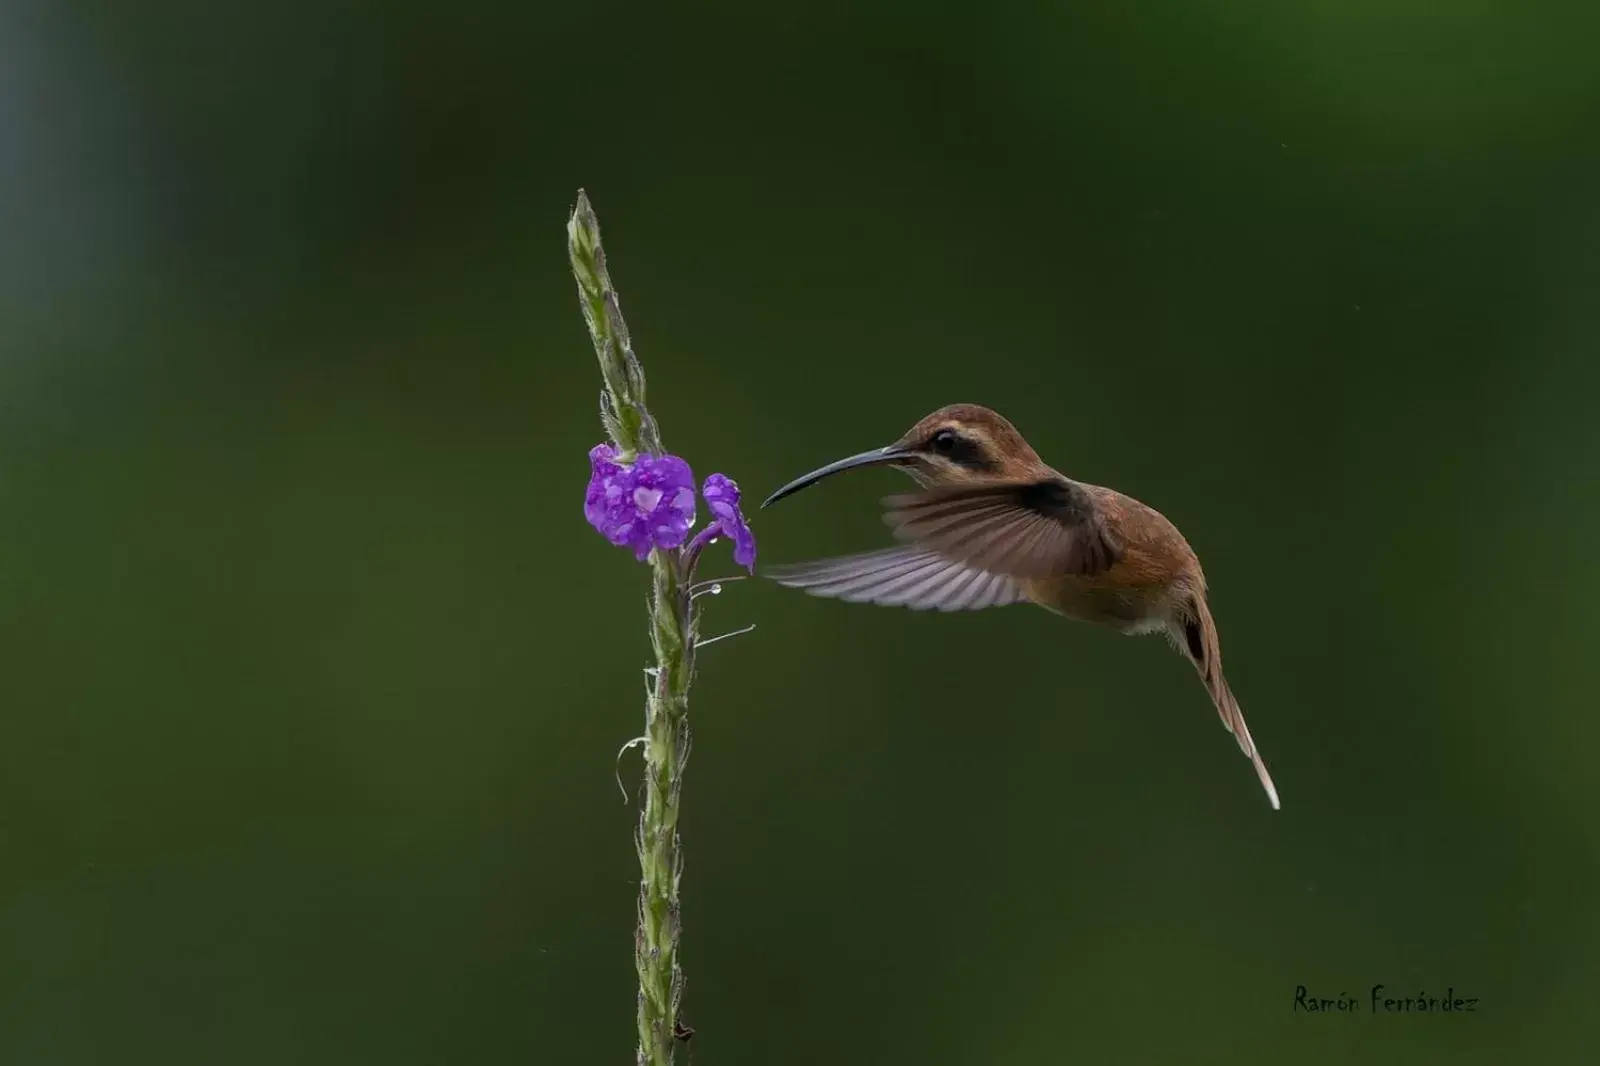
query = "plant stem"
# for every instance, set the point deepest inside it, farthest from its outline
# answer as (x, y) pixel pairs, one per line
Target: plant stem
(660, 860)
(622, 401)
(672, 625)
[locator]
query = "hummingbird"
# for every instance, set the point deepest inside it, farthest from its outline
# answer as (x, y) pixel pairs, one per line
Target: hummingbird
(992, 524)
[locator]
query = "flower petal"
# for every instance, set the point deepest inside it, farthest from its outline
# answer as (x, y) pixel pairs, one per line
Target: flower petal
(647, 504)
(722, 498)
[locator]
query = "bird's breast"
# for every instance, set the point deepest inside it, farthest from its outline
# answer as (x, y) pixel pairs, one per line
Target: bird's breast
(1156, 572)
(1126, 608)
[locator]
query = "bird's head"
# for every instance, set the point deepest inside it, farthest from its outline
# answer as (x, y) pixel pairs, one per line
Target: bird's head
(959, 444)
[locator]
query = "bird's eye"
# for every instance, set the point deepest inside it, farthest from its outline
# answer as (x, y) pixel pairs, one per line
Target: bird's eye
(944, 441)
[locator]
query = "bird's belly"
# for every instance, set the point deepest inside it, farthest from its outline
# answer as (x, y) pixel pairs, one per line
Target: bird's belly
(1127, 609)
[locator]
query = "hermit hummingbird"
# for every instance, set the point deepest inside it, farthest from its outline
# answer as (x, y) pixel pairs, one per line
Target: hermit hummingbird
(993, 525)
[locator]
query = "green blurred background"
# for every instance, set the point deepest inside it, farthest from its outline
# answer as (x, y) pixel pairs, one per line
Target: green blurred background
(314, 675)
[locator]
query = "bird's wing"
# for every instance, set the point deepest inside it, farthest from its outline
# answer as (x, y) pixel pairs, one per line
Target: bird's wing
(901, 577)
(1039, 529)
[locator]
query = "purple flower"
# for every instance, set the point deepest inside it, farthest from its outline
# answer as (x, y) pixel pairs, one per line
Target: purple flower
(722, 496)
(647, 505)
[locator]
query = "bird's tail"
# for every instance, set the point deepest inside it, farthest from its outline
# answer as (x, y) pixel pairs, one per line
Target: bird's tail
(1197, 639)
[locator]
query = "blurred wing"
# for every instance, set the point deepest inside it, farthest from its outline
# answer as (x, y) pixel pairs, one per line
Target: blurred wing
(1039, 529)
(901, 577)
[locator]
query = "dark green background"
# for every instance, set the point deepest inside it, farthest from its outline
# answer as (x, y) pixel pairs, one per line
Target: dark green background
(312, 675)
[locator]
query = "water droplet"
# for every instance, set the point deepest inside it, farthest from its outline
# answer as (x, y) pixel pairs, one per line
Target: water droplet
(716, 590)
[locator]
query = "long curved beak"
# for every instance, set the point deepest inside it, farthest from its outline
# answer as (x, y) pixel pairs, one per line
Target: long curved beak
(894, 453)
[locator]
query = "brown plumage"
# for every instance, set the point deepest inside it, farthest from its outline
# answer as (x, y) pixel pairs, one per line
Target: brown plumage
(994, 525)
